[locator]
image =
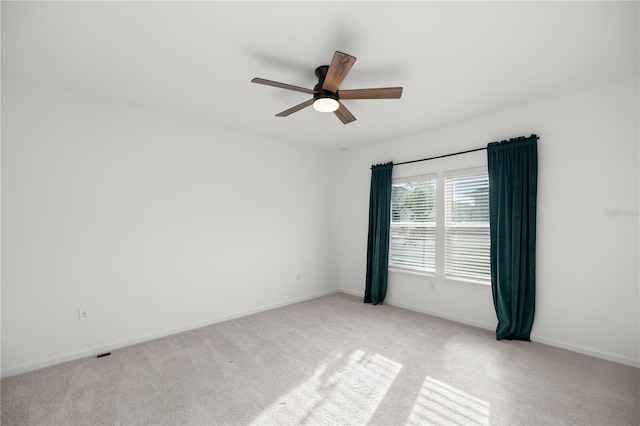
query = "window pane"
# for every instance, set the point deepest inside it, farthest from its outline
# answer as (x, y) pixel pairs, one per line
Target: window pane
(414, 201)
(468, 198)
(413, 229)
(413, 247)
(467, 226)
(467, 252)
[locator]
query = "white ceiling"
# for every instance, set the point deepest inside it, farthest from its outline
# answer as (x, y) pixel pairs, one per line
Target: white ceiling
(455, 60)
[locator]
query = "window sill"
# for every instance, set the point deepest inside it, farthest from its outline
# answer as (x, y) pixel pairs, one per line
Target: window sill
(413, 273)
(433, 278)
(467, 282)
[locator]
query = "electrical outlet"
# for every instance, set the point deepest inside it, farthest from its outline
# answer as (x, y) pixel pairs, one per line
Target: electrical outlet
(82, 314)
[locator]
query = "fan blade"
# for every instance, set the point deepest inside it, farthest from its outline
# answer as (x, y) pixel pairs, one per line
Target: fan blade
(295, 108)
(379, 93)
(344, 114)
(338, 70)
(282, 85)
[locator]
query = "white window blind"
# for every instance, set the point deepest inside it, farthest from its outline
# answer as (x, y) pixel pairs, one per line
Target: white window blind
(467, 240)
(412, 242)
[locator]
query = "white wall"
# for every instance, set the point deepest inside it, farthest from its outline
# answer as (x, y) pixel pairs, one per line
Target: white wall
(152, 223)
(148, 221)
(587, 262)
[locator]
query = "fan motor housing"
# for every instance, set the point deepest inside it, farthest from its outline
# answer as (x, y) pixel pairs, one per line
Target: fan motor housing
(321, 93)
(321, 73)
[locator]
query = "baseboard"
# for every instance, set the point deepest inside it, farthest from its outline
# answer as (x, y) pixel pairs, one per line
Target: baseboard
(352, 293)
(586, 351)
(108, 348)
(453, 318)
(428, 312)
(534, 337)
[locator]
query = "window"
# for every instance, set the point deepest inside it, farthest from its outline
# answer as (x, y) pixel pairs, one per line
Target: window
(412, 242)
(440, 225)
(466, 225)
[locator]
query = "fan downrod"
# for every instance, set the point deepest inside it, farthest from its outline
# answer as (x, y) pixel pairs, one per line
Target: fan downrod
(321, 72)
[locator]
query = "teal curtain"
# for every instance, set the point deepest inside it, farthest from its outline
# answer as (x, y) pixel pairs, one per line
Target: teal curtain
(513, 176)
(378, 240)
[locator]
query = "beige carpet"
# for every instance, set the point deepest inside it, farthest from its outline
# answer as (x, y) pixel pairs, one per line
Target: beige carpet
(332, 360)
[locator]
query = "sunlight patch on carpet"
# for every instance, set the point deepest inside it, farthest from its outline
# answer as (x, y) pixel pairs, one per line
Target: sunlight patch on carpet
(345, 389)
(440, 403)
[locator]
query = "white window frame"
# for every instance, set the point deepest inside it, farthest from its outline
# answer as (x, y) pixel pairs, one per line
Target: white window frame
(440, 173)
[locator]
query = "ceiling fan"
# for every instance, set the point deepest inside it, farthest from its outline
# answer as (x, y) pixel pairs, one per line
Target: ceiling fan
(326, 94)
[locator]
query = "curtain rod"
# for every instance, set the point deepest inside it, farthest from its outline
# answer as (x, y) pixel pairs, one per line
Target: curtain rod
(440, 156)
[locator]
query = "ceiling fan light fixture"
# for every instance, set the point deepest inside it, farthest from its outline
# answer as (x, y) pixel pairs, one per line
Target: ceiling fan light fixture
(325, 105)
(326, 96)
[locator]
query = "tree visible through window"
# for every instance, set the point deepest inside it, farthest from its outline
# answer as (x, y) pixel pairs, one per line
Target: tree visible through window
(413, 225)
